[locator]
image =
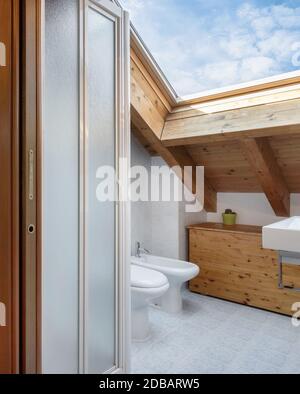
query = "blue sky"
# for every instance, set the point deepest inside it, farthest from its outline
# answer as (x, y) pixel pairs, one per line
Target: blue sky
(202, 44)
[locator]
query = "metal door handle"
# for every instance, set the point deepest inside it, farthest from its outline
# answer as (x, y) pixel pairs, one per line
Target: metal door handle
(31, 175)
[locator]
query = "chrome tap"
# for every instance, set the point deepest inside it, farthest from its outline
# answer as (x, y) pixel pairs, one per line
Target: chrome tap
(140, 250)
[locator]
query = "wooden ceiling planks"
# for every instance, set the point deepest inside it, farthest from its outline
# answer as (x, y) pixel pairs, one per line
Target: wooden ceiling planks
(224, 134)
(225, 167)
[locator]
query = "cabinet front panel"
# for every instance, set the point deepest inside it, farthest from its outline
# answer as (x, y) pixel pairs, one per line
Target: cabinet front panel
(234, 267)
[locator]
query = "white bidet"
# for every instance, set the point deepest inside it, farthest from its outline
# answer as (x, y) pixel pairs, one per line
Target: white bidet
(178, 272)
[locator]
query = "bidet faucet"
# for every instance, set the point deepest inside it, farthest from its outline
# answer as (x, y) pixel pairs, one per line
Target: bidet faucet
(140, 250)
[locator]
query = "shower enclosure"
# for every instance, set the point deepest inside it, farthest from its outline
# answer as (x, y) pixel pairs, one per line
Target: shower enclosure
(82, 255)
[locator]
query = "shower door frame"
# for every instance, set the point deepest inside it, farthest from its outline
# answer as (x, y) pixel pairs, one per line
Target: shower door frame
(33, 65)
(111, 10)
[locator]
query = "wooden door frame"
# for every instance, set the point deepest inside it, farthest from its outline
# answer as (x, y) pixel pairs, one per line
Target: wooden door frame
(31, 188)
(10, 214)
(16, 187)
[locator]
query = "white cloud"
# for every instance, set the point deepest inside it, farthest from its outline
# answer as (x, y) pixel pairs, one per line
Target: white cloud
(239, 46)
(213, 74)
(135, 6)
(257, 67)
(247, 12)
(286, 17)
(263, 26)
(203, 48)
(234, 71)
(279, 45)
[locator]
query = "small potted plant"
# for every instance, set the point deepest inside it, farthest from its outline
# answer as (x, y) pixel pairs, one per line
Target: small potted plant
(229, 217)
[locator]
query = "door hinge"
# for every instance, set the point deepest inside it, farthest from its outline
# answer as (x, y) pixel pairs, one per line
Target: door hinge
(2, 55)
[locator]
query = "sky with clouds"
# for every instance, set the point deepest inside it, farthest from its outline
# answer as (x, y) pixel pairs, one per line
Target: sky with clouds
(201, 44)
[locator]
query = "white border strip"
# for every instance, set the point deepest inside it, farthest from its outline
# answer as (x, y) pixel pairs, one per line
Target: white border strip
(245, 85)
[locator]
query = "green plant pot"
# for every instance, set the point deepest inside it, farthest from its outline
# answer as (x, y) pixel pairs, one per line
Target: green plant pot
(229, 219)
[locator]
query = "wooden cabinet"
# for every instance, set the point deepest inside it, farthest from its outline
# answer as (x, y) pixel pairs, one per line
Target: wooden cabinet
(234, 267)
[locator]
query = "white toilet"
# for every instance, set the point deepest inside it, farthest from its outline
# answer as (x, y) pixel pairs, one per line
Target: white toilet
(146, 285)
(178, 272)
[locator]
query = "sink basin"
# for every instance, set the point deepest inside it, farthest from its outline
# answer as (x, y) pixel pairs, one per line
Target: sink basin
(283, 236)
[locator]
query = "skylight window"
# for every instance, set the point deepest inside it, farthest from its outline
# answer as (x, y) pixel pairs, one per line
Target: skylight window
(202, 45)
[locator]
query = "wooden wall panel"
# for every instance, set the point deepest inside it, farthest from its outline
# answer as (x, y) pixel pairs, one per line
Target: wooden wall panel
(234, 267)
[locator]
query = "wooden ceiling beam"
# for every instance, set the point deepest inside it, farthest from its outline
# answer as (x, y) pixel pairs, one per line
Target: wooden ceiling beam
(174, 157)
(262, 160)
(249, 122)
(184, 159)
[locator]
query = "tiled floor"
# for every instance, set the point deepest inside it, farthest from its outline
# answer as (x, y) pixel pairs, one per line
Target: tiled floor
(214, 336)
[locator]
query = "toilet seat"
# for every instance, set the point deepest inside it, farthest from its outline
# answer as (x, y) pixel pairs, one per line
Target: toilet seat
(144, 278)
(146, 285)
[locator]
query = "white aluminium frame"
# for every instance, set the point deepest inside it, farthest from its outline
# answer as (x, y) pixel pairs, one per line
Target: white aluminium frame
(122, 121)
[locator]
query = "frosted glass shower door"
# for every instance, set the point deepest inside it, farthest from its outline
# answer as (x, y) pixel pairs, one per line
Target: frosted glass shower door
(61, 129)
(85, 251)
(100, 216)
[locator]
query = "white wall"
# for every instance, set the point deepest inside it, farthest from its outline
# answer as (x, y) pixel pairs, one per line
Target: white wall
(168, 225)
(252, 208)
(140, 211)
(159, 226)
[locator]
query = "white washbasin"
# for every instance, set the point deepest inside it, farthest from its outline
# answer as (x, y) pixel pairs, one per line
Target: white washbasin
(283, 236)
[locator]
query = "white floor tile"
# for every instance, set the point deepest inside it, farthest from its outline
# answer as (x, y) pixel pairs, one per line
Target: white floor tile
(212, 336)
